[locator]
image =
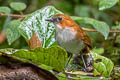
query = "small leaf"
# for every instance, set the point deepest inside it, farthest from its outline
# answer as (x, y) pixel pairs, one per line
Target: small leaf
(18, 6)
(3, 36)
(62, 76)
(98, 50)
(12, 31)
(100, 26)
(105, 4)
(104, 67)
(117, 27)
(55, 57)
(34, 41)
(5, 10)
(35, 22)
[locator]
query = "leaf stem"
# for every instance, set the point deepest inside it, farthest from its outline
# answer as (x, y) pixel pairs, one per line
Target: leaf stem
(12, 15)
(94, 30)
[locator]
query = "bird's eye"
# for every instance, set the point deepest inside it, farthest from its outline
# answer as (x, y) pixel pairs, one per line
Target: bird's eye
(59, 18)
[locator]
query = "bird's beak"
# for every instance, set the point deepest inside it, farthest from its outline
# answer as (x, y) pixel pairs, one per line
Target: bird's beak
(50, 19)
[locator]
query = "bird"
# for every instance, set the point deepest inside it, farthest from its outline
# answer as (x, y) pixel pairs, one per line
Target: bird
(70, 36)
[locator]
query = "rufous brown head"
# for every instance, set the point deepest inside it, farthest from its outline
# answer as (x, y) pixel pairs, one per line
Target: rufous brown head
(62, 20)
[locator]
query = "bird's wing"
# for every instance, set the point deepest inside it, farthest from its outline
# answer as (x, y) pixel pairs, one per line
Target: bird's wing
(83, 36)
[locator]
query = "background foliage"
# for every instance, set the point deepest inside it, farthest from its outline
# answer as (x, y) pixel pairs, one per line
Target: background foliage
(101, 15)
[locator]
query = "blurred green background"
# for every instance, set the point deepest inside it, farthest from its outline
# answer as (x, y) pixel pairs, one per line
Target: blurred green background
(83, 8)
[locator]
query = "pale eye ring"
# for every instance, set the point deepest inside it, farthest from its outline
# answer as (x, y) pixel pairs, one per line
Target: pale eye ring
(59, 18)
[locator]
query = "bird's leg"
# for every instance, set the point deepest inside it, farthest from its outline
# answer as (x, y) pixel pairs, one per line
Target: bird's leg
(83, 62)
(67, 64)
(88, 62)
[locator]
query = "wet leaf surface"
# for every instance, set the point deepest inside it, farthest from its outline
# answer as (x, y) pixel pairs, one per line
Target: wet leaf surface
(35, 23)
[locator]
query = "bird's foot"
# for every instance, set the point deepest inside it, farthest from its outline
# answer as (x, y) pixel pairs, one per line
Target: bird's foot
(85, 61)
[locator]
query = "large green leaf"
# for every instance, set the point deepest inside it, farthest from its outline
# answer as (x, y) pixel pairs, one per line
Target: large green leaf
(55, 57)
(12, 31)
(5, 59)
(102, 65)
(18, 6)
(5, 10)
(105, 4)
(35, 22)
(100, 26)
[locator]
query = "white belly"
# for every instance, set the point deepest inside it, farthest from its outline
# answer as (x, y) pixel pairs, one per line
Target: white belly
(66, 39)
